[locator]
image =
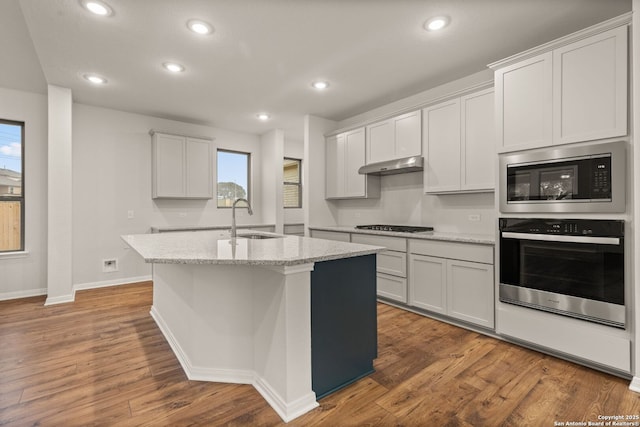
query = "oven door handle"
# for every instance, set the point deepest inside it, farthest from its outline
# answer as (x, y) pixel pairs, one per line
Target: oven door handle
(559, 238)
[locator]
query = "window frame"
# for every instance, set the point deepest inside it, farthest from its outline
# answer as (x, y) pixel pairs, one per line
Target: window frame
(22, 198)
(297, 184)
(249, 191)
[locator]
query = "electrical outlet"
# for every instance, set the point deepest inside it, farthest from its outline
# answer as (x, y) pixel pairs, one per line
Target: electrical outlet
(130, 214)
(109, 265)
(474, 217)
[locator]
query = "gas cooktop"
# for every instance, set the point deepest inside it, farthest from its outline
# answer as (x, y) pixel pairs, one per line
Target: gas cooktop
(396, 228)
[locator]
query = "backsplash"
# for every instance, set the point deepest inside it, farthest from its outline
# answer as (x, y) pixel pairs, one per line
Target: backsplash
(402, 201)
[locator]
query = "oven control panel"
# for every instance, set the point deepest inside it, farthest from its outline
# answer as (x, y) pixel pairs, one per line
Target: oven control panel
(566, 227)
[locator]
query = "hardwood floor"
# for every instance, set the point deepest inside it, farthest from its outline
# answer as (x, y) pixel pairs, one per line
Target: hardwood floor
(102, 361)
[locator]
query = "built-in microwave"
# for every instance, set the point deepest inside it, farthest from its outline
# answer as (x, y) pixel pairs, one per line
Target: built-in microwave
(589, 178)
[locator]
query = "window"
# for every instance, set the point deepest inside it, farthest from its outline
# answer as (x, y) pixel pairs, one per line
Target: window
(233, 177)
(11, 186)
(292, 183)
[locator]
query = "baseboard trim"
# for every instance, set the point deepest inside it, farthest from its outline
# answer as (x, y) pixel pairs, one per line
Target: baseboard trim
(107, 283)
(286, 411)
(635, 384)
(23, 294)
(5, 296)
(63, 299)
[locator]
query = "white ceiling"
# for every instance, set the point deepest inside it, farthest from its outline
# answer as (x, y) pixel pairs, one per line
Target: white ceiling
(264, 54)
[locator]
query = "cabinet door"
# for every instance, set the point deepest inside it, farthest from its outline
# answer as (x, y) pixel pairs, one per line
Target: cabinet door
(478, 141)
(354, 183)
(199, 175)
(524, 104)
(408, 135)
(392, 287)
(169, 166)
(590, 88)
(380, 142)
(442, 140)
(427, 283)
(334, 162)
(470, 292)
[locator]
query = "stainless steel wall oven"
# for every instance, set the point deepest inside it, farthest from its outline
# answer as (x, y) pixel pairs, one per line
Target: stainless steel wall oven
(589, 178)
(572, 267)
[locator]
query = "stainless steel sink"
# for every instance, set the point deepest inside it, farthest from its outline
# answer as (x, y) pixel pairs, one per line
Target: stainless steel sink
(256, 236)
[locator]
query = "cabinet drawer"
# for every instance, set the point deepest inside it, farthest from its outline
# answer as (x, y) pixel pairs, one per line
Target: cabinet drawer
(331, 235)
(392, 262)
(392, 287)
(392, 243)
(461, 251)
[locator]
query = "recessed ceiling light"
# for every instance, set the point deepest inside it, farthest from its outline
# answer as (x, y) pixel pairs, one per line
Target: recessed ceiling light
(95, 79)
(436, 23)
(320, 85)
(199, 27)
(173, 67)
(97, 7)
(263, 116)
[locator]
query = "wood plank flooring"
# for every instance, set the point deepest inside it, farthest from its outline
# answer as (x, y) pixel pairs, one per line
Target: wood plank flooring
(102, 361)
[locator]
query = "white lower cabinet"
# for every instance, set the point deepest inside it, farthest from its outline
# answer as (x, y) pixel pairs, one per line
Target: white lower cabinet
(470, 292)
(331, 235)
(460, 288)
(392, 287)
(428, 283)
(391, 265)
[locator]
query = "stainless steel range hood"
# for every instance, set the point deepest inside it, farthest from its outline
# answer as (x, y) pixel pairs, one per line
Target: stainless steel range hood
(391, 167)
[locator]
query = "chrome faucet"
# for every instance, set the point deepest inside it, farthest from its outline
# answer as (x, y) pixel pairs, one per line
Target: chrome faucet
(233, 215)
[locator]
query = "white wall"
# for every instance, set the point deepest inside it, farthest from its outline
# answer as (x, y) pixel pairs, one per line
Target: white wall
(27, 275)
(112, 175)
(317, 211)
(402, 200)
(295, 150)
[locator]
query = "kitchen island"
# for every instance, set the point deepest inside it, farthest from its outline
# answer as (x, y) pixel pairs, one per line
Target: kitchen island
(293, 316)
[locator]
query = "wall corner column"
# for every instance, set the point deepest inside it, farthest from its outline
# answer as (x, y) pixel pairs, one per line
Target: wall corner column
(60, 194)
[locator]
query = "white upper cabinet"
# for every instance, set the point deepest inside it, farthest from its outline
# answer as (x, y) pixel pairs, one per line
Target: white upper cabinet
(477, 141)
(574, 92)
(181, 167)
(591, 97)
(442, 142)
(394, 138)
(459, 140)
(345, 154)
(524, 104)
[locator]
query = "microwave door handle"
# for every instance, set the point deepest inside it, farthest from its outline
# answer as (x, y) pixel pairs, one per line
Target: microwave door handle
(559, 238)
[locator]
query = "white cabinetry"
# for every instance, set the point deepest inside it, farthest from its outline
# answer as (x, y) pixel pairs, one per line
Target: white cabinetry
(574, 91)
(331, 235)
(345, 154)
(391, 265)
(459, 144)
(181, 167)
(452, 279)
(394, 138)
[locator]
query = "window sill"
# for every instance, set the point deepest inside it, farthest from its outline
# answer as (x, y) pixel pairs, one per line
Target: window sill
(17, 254)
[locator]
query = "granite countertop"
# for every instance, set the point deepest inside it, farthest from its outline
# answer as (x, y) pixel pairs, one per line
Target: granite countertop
(215, 247)
(482, 239)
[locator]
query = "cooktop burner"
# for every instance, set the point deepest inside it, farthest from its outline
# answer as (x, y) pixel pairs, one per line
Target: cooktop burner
(396, 228)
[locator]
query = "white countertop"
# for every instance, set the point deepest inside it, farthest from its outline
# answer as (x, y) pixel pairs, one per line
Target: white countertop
(215, 247)
(482, 239)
